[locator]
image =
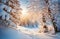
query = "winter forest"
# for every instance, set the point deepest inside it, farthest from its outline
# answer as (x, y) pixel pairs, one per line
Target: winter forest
(29, 19)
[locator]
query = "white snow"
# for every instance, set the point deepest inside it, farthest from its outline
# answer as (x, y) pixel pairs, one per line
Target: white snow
(28, 30)
(3, 14)
(9, 33)
(2, 5)
(23, 32)
(8, 8)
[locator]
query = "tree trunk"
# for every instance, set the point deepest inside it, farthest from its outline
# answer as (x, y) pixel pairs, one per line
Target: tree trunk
(51, 16)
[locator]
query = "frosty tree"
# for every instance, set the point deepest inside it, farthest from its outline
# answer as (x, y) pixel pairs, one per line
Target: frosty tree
(51, 12)
(46, 11)
(10, 11)
(41, 13)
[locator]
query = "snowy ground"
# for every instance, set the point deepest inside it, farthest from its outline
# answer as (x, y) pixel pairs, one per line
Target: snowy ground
(9, 33)
(34, 34)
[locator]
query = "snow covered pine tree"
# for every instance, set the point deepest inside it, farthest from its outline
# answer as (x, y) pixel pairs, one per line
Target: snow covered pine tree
(10, 11)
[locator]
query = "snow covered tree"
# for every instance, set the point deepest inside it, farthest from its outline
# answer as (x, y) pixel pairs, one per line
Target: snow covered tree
(10, 11)
(45, 17)
(51, 12)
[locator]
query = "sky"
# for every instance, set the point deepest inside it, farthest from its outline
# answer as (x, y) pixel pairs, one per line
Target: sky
(23, 6)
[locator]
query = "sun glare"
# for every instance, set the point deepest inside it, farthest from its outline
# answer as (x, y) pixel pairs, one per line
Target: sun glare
(24, 11)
